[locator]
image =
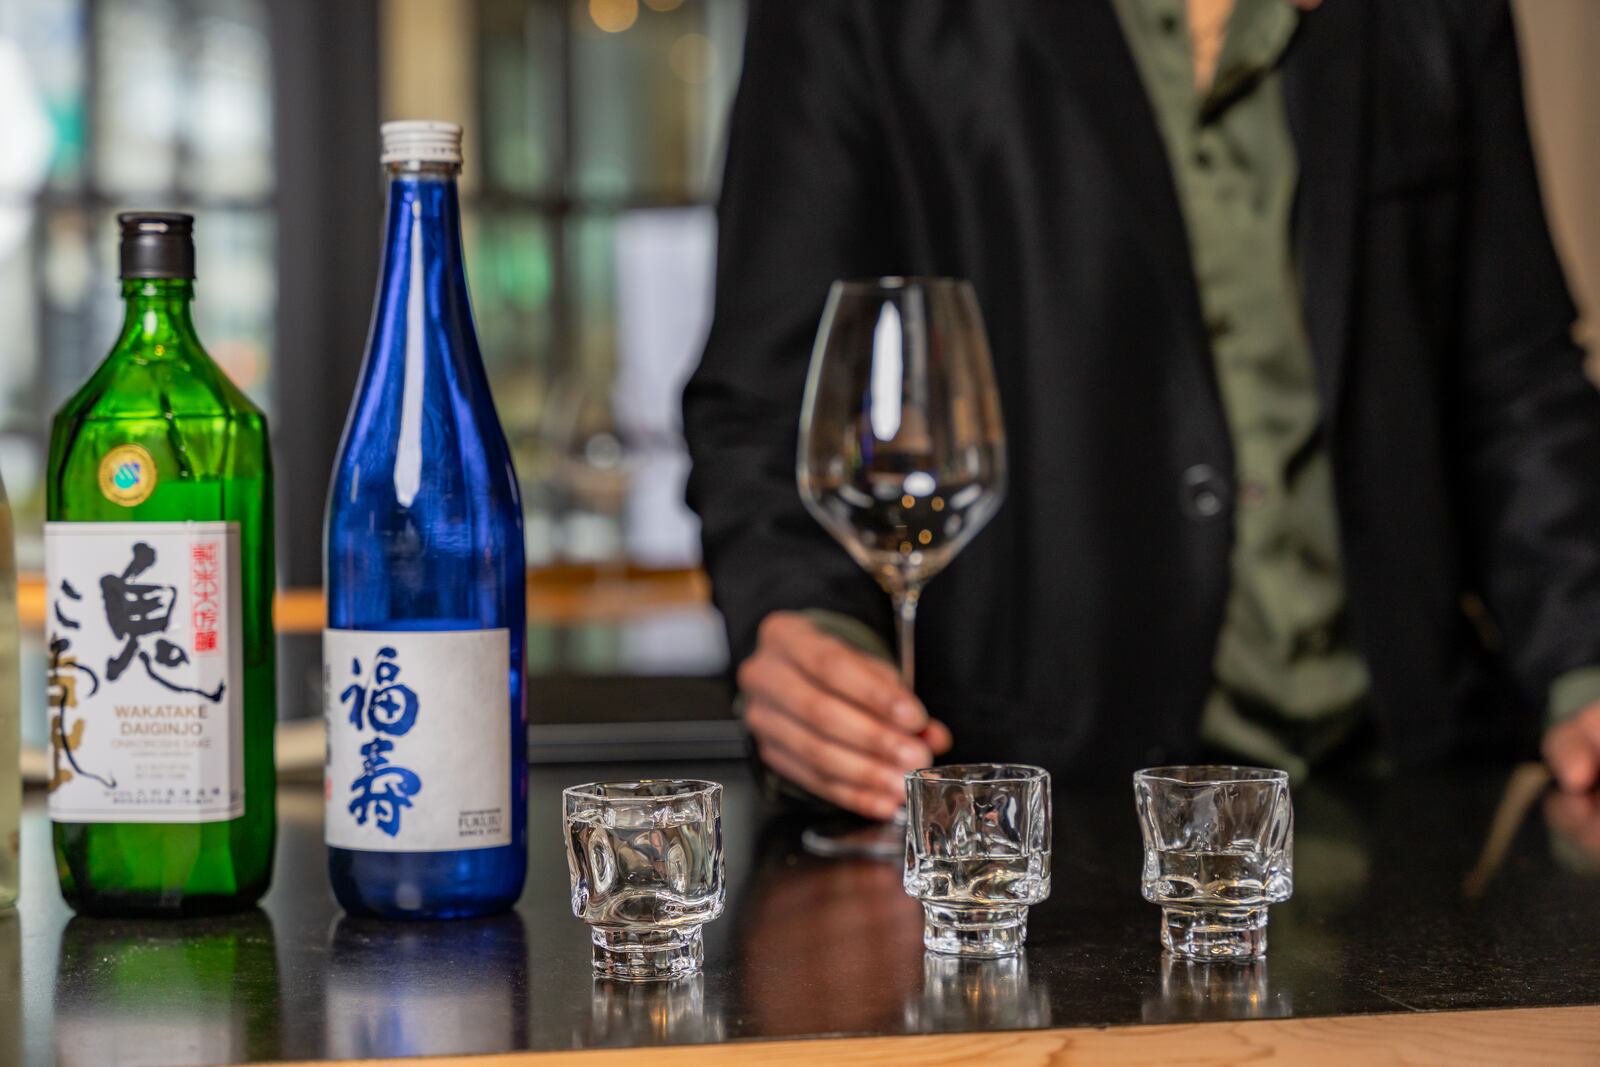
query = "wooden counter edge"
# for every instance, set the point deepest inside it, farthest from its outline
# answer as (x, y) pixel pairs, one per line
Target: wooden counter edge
(1544, 1036)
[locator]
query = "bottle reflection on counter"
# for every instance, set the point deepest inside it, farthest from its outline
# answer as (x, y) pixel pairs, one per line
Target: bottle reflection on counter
(202, 991)
(424, 988)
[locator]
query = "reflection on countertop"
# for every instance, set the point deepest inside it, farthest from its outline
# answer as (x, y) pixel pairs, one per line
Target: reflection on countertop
(426, 988)
(158, 992)
(964, 994)
(1380, 921)
(637, 1014)
(807, 923)
(1197, 992)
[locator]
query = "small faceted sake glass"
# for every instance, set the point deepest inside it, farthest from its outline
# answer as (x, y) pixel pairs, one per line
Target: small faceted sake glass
(977, 854)
(646, 864)
(1218, 849)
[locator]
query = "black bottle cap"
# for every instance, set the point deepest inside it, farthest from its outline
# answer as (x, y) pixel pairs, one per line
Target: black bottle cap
(157, 244)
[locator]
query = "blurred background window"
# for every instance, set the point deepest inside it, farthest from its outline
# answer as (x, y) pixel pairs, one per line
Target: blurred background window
(596, 126)
(594, 133)
(107, 105)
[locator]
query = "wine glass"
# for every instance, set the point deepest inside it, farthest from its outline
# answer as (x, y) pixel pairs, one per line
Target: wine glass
(902, 453)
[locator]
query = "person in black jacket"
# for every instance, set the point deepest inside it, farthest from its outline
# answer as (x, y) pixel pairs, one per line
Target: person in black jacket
(1305, 468)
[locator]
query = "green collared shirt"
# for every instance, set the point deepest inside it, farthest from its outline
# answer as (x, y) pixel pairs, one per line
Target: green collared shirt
(1290, 686)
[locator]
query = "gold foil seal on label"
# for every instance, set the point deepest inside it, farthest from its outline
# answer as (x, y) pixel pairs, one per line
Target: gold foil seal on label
(127, 475)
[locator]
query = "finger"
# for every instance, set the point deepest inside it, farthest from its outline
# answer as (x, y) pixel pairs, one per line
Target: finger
(852, 675)
(1587, 837)
(1572, 757)
(1576, 816)
(936, 735)
(865, 802)
(1565, 813)
(1587, 723)
(824, 755)
(778, 683)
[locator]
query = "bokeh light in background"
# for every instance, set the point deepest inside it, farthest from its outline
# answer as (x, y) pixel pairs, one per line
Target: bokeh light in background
(692, 57)
(614, 16)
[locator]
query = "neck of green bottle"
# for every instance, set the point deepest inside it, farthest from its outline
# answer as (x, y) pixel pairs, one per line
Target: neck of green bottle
(157, 320)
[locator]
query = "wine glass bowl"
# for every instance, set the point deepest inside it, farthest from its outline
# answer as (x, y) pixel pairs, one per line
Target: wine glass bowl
(902, 453)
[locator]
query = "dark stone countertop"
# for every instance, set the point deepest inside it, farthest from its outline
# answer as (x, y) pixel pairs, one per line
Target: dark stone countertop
(1380, 922)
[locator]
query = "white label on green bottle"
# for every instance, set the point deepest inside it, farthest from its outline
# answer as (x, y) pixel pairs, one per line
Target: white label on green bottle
(146, 656)
(419, 743)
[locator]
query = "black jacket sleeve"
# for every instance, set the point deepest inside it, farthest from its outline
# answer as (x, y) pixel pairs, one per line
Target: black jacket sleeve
(800, 207)
(1530, 420)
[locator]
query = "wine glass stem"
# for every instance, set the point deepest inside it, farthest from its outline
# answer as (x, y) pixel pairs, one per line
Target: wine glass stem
(905, 616)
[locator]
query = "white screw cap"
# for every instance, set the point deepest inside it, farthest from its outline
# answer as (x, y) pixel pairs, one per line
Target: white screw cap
(421, 141)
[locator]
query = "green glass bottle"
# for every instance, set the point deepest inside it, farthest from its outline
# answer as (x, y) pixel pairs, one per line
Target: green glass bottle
(159, 571)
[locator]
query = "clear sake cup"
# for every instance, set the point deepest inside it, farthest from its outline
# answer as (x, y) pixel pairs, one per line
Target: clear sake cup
(1218, 849)
(977, 854)
(645, 860)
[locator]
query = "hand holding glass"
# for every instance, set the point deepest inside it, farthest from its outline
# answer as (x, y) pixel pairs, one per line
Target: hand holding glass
(902, 453)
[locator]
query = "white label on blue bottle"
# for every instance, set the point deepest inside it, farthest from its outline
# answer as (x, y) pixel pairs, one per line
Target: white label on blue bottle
(419, 743)
(145, 649)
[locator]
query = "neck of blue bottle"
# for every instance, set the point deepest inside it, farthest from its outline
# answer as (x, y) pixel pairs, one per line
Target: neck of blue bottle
(423, 359)
(425, 213)
(424, 315)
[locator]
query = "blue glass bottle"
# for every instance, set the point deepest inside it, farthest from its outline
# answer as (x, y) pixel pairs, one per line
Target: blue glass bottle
(426, 783)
